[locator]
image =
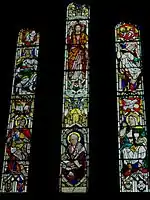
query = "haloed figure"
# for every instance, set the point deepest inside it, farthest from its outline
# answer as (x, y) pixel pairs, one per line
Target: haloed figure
(74, 164)
(77, 50)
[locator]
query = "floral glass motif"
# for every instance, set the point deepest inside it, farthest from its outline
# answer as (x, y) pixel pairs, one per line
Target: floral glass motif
(19, 130)
(132, 130)
(75, 132)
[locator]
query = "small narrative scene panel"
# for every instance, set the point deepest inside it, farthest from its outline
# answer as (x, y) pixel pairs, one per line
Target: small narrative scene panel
(21, 111)
(131, 107)
(76, 84)
(28, 37)
(129, 69)
(74, 168)
(25, 73)
(76, 48)
(75, 111)
(127, 32)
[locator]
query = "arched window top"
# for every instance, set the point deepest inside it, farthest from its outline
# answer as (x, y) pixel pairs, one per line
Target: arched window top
(28, 37)
(77, 11)
(127, 32)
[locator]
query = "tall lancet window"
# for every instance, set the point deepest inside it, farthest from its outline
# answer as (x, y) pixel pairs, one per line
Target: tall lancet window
(19, 130)
(132, 130)
(75, 131)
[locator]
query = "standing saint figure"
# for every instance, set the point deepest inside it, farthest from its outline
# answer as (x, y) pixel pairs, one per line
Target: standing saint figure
(77, 50)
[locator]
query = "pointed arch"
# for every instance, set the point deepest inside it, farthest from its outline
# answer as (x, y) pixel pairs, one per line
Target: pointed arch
(14, 177)
(132, 129)
(75, 132)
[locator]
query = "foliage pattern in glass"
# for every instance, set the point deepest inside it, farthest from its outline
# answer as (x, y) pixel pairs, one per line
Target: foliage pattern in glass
(132, 130)
(75, 132)
(19, 130)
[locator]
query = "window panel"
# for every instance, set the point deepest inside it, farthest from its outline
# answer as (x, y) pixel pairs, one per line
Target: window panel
(75, 131)
(19, 129)
(132, 130)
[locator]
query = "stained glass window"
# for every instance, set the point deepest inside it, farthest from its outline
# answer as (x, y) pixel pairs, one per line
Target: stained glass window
(75, 131)
(132, 130)
(19, 130)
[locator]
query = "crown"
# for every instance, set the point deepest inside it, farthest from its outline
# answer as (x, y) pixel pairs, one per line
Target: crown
(77, 11)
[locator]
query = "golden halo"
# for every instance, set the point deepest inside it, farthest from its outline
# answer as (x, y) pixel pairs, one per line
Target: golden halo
(20, 118)
(73, 133)
(134, 115)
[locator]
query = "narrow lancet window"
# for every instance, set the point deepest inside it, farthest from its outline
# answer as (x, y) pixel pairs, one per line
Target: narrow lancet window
(75, 132)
